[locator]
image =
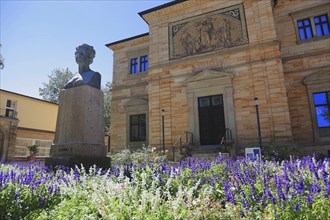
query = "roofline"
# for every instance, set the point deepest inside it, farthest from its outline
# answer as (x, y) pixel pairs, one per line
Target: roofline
(127, 39)
(14, 93)
(160, 7)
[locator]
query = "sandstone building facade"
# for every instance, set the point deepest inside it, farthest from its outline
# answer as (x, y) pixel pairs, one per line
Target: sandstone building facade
(203, 62)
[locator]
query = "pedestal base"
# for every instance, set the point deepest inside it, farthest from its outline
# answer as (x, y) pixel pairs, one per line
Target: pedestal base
(79, 136)
(81, 149)
(76, 160)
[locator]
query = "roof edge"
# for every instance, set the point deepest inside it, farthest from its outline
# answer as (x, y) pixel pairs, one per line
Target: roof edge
(14, 93)
(127, 39)
(160, 7)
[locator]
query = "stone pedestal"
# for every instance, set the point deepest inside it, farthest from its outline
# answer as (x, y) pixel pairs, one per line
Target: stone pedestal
(79, 127)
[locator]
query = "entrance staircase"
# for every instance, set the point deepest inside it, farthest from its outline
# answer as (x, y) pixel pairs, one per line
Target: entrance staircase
(187, 147)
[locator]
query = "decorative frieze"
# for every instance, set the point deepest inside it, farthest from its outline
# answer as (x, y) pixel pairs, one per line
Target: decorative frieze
(208, 32)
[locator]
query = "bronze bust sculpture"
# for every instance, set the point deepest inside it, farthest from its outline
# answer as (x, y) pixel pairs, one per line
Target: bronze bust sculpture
(84, 57)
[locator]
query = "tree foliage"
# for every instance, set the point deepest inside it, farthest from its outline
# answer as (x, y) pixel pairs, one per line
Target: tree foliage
(107, 106)
(57, 80)
(2, 65)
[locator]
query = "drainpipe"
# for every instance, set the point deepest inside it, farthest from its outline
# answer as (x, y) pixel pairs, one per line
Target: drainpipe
(258, 121)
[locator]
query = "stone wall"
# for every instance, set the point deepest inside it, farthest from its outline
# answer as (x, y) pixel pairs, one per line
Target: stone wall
(256, 67)
(8, 127)
(271, 66)
(127, 88)
(300, 60)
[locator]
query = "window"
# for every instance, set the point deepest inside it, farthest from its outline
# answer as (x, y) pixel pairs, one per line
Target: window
(134, 66)
(312, 23)
(322, 107)
(11, 109)
(305, 29)
(139, 64)
(321, 25)
(144, 63)
(138, 127)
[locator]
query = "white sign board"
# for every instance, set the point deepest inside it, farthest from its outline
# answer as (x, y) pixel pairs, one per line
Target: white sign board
(253, 153)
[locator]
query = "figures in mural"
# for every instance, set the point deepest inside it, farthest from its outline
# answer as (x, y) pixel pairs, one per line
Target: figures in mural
(188, 43)
(208, 32)
(226, 36)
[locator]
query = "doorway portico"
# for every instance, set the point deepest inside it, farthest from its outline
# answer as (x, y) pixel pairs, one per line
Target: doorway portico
(213, 90)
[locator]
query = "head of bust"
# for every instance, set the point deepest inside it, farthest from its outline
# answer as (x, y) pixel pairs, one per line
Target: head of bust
(84, 55)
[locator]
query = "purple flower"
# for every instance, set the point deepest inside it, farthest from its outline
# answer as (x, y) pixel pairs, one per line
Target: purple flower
(298, 207)
(271, 197)
(327, 190)
(309, 199)
(300, 186)
(314, 188)
(229, 194)
(245, 203)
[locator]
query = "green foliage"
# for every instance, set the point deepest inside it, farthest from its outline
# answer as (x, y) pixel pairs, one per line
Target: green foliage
(192, 189)
(143, 155)
(57, 80)
(33, 149)
(2, 65)
(79, 160)
(326, 113)
(107, 91)
(274, 150)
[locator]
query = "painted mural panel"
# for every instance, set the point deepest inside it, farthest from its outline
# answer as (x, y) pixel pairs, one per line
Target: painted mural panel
(208, 32)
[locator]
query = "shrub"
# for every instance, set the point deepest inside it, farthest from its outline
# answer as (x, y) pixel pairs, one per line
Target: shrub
(191, 189)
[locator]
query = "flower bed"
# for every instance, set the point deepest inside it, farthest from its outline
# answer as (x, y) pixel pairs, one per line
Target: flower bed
(192, 189)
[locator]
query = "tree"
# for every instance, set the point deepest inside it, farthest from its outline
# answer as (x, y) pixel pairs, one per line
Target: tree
(57, 80)
(2, 65)
(107, 106)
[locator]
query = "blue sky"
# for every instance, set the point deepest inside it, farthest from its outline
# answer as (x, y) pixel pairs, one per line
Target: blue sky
(39, 36)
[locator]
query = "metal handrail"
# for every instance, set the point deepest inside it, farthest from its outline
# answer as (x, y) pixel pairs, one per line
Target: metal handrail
(226, 136)
(186, 134)
(226, 139)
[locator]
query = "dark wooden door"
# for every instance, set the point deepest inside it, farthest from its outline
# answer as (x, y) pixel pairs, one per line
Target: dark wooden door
(211, 119)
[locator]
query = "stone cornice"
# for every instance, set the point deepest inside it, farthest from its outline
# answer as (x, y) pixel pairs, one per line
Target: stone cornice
(304, 54)
(128, 42)
(126, 86)
(318, 77)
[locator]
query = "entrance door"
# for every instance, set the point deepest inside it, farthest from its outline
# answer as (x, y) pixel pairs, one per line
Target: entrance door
(211, 119)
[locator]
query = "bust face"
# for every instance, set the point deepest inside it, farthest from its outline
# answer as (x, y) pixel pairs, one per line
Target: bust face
(82, 57)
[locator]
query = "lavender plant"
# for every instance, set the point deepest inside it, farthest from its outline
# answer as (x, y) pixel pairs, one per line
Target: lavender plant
(191, 189)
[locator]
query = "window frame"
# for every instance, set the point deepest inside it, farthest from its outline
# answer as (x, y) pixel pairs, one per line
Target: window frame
(317, 82)
(11, 108)
(305, 27)
(310, 13)
(136, 65)
(321, 24)
(139, 125)
(327, 104)
(144, 63)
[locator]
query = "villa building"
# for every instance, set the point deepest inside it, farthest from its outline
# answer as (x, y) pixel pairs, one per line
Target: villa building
(204, 62)
(25, 121)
